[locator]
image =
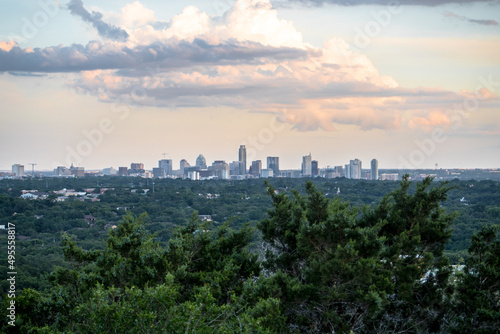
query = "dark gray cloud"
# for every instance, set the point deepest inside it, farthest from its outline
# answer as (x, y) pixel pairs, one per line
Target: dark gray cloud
(95, 56)
(430, 3)
(463, 18)
(484, 22)
(95, 18)
(26, 74)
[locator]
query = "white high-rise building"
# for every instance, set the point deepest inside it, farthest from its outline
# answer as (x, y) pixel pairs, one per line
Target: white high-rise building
(307, 165)
(355, 169)
(18, 170)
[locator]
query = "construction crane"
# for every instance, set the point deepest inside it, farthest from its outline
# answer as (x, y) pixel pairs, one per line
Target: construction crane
(32, 168)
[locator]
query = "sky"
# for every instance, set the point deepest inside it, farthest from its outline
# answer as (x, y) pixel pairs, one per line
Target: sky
(413, 84)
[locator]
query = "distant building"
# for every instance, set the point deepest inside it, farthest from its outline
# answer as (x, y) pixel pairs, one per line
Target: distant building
(234, 168)
(331, 173)
(265, 173)
(77, 171)
(242, 158)
(109, 171)
(374, 169)
(314, 168)
(89, 219)
(136, 168)
(307, 165)
(389, 177)
(339, 170)
(18, 170)
(62, 171)
(136, 165)
(220, 169)
(158, 172)
(274, 164)
(193, 174)
(166, 164)
(122, 171)
(255, 168)
(205, 218)
(354, 169)
(34, 194)
(182, 166)
(201, 162)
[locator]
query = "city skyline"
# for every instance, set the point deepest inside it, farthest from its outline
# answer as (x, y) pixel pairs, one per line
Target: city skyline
(100, 84)
(169, 165)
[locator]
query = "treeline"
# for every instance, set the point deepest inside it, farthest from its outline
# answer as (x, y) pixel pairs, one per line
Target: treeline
(313, 264)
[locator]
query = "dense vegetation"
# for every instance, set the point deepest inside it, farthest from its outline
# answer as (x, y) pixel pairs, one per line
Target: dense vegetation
(294, 261)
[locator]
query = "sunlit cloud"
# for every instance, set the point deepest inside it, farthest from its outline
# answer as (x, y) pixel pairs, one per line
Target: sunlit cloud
(429, 3)
(248, 59)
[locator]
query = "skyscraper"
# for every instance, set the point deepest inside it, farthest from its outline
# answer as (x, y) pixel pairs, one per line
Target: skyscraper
(220, 169)
(355, 169)
(314, 168)
(374, 169)
(274, 164)
(307, 165)
(242, 158)
(18, 170)
(183, 164)
(234, 168)
(201, 162)
(166, 164)
(256, 168)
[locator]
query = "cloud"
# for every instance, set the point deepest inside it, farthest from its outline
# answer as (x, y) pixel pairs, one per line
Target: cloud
(95, 18)
(429, 3)
(484, 22)
(463, 18)
(7, 46)
(248, 59)
(26, 74)
(172, 55)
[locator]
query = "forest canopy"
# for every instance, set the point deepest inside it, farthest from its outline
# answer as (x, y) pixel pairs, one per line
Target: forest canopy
(312, 264)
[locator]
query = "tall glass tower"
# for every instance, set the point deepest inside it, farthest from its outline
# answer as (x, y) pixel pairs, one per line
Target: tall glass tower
(201, 162)
(242, 158)
(374, 169)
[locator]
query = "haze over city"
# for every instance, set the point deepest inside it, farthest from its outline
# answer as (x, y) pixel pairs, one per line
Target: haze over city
(100, 84)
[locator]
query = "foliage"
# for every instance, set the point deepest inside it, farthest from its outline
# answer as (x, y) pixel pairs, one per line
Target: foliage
(357, 261)
(477, 308)
(195, 284)
(337, 269)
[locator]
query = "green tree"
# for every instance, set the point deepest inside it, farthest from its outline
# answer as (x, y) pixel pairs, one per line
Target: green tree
(196, 284)
(477, 308)
(337, 268)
